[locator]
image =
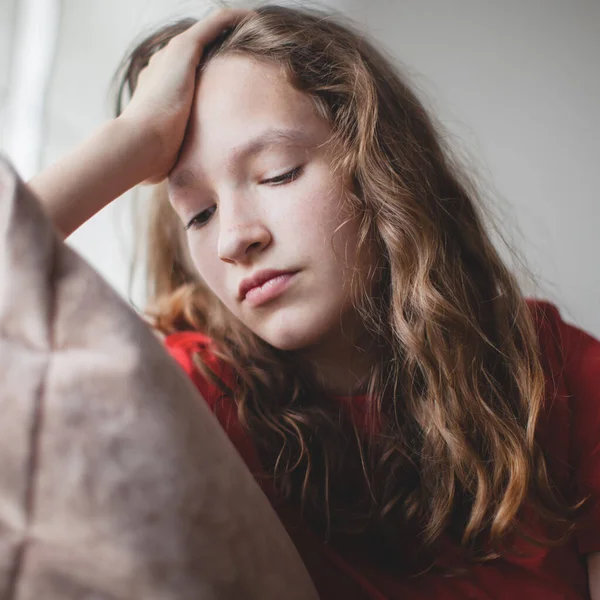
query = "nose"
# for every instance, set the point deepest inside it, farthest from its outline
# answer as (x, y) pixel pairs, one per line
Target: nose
(241, 236)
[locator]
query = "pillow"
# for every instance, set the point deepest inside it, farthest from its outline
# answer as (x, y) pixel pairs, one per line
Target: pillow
(116, 480)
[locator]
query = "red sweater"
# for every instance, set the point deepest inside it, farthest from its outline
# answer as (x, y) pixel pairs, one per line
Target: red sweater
(569, 430)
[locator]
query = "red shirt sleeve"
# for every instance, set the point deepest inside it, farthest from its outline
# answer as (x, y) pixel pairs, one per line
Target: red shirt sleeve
(582, 375)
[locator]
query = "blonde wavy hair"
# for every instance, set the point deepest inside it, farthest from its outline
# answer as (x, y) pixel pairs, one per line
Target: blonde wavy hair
(458, 384)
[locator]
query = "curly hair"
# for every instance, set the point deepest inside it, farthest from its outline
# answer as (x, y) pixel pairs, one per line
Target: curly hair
(457, 384)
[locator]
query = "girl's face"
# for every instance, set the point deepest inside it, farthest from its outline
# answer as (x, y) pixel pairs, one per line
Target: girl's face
(254, 184)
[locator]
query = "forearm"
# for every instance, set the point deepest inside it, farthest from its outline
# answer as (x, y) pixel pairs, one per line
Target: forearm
(114, 159)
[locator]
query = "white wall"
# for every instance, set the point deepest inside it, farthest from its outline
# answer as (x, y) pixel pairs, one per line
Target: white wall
(517, 82)
(7, 25)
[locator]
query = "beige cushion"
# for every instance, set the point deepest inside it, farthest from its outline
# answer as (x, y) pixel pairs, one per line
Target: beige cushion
(116, 481)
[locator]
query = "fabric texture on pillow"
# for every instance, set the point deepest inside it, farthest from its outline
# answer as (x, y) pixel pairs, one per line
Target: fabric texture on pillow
(116, 480)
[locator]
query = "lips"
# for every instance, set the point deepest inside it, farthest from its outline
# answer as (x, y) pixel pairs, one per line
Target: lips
(259, 279)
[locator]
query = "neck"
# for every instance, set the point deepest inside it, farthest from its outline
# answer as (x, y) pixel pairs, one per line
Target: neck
(342, 367)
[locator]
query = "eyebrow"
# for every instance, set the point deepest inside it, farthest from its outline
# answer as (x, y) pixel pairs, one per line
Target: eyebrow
(185, 178)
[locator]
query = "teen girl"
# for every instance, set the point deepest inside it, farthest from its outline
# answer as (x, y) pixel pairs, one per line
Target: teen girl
(319, 266)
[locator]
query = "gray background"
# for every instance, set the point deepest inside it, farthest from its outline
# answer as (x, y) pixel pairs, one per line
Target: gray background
(516, 83)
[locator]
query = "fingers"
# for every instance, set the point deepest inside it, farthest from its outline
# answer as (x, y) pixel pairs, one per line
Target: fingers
(205, 31)
(181, 55)
(209, 28)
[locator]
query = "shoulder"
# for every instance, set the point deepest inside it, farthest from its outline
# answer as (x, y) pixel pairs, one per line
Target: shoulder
(197, 354)
(568, 350)
(571, 420)
(548, 323)
(571, 360)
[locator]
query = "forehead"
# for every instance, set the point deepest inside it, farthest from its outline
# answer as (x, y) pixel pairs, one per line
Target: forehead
(242, 107)
(268, 139)
(239, 86)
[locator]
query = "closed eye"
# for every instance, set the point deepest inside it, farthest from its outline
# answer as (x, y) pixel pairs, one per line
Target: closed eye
(285, 178)
(202, 218)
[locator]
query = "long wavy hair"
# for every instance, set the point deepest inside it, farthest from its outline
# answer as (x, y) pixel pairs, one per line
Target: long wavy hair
(457, 384)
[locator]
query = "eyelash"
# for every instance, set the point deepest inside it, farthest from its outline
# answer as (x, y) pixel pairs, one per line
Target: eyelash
(285, 178)
(196, 222)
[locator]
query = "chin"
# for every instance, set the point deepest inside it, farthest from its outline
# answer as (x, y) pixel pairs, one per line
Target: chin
(286, 340)
(289, 333)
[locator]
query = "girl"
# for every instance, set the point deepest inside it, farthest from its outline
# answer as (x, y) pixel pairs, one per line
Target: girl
(319, 266)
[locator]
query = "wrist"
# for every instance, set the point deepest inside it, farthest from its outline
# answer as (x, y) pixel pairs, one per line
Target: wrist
(139, 146)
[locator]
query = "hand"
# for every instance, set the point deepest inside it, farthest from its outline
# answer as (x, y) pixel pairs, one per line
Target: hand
(140, 145)
(163, 98)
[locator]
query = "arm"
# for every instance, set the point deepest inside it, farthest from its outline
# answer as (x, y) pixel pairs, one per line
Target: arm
(593, 562)
(116, 158)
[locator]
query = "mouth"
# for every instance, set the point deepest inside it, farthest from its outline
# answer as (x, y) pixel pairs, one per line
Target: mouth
(264, 286)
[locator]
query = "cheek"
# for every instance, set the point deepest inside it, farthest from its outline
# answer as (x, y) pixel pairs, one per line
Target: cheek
(313, 212)
(203, 252)
(326, 224)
